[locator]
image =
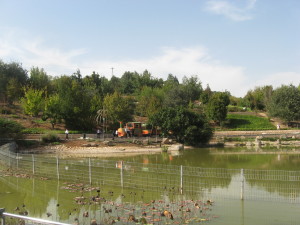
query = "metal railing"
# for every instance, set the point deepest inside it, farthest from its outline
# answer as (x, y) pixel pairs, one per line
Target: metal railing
(274, 185)
(25, 219)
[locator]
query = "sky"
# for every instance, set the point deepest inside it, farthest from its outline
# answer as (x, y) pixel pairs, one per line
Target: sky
(231, 45)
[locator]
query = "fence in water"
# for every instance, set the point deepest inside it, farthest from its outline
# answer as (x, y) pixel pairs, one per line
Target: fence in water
(208, 183)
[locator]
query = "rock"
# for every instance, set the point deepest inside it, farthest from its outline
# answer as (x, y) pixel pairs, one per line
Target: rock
(94, 145)
(178, 147)
(86, 145)
(145, 142)
(258, 138)
(257, 143)
(283, 136)
(166, 141)
(248, 143)
(108, 143)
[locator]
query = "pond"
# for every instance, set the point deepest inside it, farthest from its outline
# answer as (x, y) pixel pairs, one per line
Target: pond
(78, 201)
(232, 158)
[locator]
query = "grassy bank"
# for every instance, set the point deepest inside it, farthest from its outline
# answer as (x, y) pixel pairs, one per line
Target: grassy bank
(240, 122)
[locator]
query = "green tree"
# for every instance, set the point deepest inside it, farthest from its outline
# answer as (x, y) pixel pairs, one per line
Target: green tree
(177, 96)
(13, 88)
(118, 108)
(258, 98)
(33, 101)
(150, 101)
(192, 87)
(39, 79)
(205, 95)
(10, 129)
(216, 108)
(79, 101)
(285, 103)
(53, 110)
(12, 80)
(186, 126)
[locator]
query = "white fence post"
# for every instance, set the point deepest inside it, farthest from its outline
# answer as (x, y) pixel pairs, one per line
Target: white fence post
(242, 184)
(17, 161)
(121, 173)
(9, 158)
(57, 167)
(181, 179)
(32, 164)
(90, 171)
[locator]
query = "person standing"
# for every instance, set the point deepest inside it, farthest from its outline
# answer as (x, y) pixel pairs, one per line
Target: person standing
(98, 133)
(67, 134)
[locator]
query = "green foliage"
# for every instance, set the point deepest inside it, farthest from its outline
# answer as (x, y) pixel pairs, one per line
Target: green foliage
(186, 126)
(39, 79)
(10, 128)
(164, 148)
(52, 110)
(50, 138)
(150, 100)
(78, 101)
(285, 103)
(233, 108)
(205, 95)
(33, 101)
(33, 130)
(247, 122)
(12, 78)
(258, 98)
(118, 108)
(216, 108)
(27, 143)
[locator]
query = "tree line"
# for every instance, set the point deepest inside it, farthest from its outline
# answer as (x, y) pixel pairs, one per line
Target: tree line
(78, 100)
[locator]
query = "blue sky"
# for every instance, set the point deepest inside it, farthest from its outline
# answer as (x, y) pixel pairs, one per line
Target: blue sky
(232, 45)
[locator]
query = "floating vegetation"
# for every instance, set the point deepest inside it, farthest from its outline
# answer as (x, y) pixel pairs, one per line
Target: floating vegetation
(121, 211)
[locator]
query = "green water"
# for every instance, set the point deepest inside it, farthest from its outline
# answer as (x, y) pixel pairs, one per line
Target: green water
(58, 198)
(231, 158)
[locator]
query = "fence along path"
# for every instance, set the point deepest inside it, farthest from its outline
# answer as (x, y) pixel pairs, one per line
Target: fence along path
(209, 183)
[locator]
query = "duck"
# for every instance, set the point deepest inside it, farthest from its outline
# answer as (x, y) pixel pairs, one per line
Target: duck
(168, 214)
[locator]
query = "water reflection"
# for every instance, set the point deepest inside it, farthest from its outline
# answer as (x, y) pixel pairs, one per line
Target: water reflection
(50, 199)
(233, 158)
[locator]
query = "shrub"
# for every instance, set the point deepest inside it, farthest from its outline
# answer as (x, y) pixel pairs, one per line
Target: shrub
(10, 128)
(33, 130)
(50, 138)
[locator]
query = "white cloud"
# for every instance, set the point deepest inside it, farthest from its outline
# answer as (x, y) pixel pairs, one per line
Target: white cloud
(231, 10)
(33, 52)
(278, 79)
(180, 62)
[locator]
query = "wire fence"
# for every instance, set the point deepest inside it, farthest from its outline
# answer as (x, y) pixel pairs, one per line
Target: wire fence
(209, 183)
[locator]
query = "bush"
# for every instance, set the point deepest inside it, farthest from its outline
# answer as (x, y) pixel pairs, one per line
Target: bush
(50, 138)
(10, 129)
(5, 110)
(33, 130)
